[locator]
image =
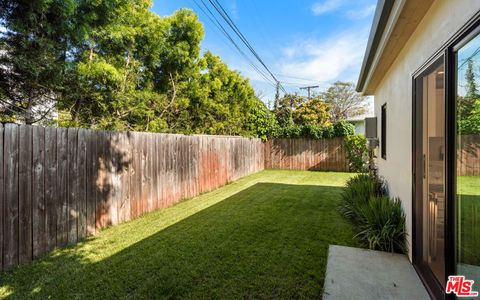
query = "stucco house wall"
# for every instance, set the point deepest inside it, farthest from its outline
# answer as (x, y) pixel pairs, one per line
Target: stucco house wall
(442, 20)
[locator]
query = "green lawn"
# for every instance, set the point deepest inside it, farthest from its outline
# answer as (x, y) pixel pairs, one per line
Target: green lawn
(263, 236)
(468, 204)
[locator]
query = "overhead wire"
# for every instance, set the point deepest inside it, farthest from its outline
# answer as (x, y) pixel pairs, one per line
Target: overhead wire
(219, 8)
(211, 16)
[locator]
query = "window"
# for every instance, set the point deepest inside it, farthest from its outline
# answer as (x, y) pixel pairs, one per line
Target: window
(383, 138)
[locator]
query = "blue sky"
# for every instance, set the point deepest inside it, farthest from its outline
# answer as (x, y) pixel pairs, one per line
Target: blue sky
(317, 41)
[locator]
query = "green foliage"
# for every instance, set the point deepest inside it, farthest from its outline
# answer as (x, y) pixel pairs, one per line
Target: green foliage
(380, 220)
(312, 112)
(284, 108)
(33, 51)
(470, 123)
(384, 225)
(114, 64)
(343, 128)
(357, 152)
(468, 113)
(344, 101)
(313, 131)
(292, 212)
(357, 192)
(260, 121)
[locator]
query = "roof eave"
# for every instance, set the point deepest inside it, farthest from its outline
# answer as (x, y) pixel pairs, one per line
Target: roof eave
(380, 20)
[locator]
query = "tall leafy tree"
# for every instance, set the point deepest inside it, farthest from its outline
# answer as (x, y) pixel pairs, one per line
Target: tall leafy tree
(313, 112)
(345, 102)
(33, 56)
(114, 64)
(471, 95)
(285, 107)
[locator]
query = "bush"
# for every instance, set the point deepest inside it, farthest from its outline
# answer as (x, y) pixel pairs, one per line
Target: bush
(380, 220)
(343, 128)
(357, 192)
(357, 152)
(384, 225)
(339, 129)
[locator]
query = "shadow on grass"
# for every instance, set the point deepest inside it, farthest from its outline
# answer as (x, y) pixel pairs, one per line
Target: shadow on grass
(267, 241)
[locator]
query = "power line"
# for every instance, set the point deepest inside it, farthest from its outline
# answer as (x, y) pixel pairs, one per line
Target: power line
(215, 22)
(219, 8)
(309, 88)
(470, 57)
(298, 78)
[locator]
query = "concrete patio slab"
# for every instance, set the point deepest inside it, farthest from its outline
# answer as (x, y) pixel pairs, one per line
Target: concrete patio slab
(354, 273)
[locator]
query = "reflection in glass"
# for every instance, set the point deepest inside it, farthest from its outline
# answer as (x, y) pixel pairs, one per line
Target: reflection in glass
(434, 174)
(468, 161)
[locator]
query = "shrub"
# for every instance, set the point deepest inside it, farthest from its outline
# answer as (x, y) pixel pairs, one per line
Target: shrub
(357, 192)
(380, 220)
(339, 129)
(357, 152)
(384, 225)
(343, 128)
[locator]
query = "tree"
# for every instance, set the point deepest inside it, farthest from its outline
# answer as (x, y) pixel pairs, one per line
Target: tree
(222, 101)
(470, 124)
(313, 112)
(134, 71)
(285, 107)
(471, 96)
(33, 56)
(345, 102)
(114, 64)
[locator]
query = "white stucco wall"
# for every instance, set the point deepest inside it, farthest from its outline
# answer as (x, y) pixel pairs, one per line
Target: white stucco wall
(442, 20)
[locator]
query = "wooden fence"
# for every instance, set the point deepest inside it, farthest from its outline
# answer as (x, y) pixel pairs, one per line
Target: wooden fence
(468, 155)
(59, 185)
(306, 154)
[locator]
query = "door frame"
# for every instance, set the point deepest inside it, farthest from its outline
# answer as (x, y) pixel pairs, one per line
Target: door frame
(447, 52)
(434, 287)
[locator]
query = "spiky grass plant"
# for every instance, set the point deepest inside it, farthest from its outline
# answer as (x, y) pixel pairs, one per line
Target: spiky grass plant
(379, 219)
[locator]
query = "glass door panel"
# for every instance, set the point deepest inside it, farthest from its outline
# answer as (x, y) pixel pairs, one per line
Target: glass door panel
(433, 199)
(468, 160)
(430, 176)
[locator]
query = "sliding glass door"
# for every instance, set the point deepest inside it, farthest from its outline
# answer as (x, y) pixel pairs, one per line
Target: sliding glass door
(446, 164)
(467, 143)
(431, 175)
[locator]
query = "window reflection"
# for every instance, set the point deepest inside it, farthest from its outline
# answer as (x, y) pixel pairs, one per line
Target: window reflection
(468, 160)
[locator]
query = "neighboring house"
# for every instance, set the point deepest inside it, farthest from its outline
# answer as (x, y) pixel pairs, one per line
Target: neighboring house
(359, 123)
(419, 56)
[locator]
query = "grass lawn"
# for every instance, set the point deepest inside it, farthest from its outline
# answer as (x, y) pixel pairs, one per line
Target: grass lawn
(468, 204)
(263, 236)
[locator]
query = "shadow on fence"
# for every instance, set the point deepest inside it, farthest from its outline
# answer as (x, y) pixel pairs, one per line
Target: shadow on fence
(61, 185)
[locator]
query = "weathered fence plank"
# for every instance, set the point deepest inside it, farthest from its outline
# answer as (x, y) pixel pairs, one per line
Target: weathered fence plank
(51, 198)
(72, 185)
(91, 180)
(2, 199)
(305, 154)
(10, 222)
(38, 200)
(82, 181)
(59, 185)
(25, 195)
(62, 185)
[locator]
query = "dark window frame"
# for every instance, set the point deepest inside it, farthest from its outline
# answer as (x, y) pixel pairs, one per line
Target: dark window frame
(383, 131)
(447, 50)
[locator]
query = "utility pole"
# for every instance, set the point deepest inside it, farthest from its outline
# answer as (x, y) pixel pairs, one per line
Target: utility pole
(309, 88)
(277, 96)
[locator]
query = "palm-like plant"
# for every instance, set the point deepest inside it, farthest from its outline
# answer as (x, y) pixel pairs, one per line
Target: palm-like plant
(379, 219)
